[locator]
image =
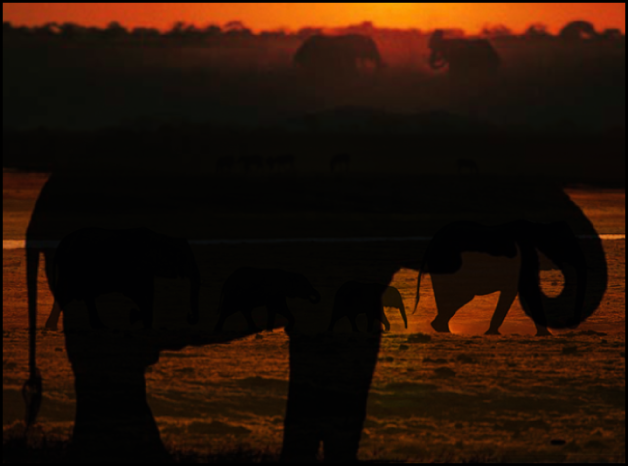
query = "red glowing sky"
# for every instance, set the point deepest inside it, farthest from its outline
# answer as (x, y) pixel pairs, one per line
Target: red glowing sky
(470, 16)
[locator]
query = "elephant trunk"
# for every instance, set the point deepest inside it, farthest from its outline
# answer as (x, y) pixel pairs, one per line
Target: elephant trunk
(580, 296)
(582, 279)
(402, 310)
(418, 281)
(392, 298)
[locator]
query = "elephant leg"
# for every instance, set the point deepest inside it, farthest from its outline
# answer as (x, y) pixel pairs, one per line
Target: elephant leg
(542, 330)
(332, 323)
(94, 319)
(280, 307)
(291, 321)
(53, 318)
(143, 296)
(506, 299)
(450, 298)
(287, 313)
(354, 325)
(327, 397)
(249, 320)
(272, 314)
(221, 322)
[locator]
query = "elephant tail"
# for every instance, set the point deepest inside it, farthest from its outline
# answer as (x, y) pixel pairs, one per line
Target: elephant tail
(418, 283)
(32, 389)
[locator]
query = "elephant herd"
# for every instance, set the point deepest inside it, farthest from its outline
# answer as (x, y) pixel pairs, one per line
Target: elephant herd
(333, 353)
(93, 262)
(356, 54)
(461, 58)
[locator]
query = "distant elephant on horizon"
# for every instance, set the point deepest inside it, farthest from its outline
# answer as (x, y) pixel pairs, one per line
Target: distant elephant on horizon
(454, 289)
(463, 57)
(92, 262)
(348, 54)
(249, 288)
(355, 298)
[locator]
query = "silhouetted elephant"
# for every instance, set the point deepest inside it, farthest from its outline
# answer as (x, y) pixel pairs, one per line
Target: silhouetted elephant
(329, 378)
(355, 298)
(93, 261)
(463, 57)
(249, 288)
(579, 30)
(456, 283)
(347, 54)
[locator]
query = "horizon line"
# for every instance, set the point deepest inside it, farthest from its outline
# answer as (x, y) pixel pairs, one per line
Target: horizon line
(14, 244)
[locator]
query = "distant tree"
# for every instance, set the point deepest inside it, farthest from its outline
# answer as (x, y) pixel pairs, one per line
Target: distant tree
(306, 33)
(48, 29)
(7, 27)
(537, 30)
(578, 31)
(237, 28)
(275, 34)
(212, 31)
(612, 34)
(144, 35)
(177, 31)
(115, 31)
(495, 31)
(367, 28)
(453, 33)
(72, 31)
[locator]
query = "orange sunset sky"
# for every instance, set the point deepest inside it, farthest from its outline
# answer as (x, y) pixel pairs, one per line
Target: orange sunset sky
(470, 16)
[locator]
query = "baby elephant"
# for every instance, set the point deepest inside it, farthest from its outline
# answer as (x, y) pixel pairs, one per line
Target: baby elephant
(355, 298)
(91, 262)
(249, 288)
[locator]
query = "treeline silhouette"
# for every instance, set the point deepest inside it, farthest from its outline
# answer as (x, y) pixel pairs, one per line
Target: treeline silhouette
(187, 33)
